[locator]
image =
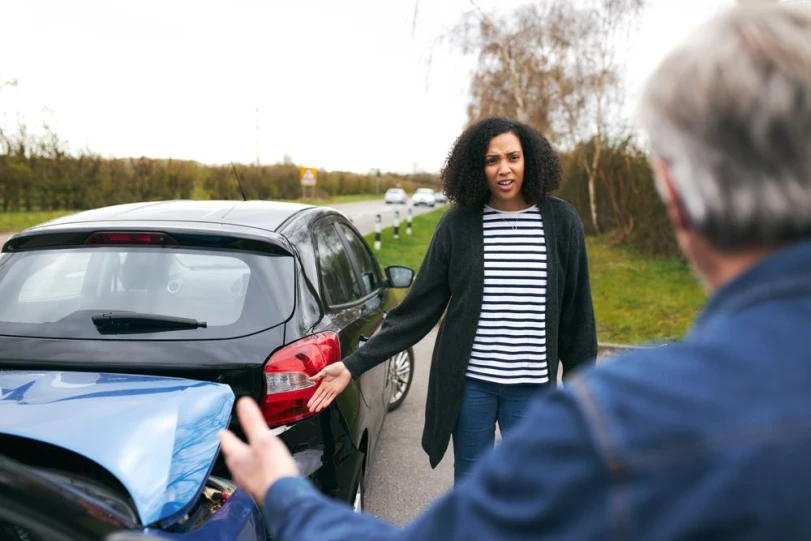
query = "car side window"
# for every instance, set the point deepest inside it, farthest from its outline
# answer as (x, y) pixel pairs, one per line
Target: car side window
(366, 265)
(340, 286)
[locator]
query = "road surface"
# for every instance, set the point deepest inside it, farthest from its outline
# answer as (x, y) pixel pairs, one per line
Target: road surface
(401, 482)
(363, 214)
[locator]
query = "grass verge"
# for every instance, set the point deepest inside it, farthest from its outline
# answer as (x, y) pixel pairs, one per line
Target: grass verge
(16, 221)
(636, 299)
(337, 200)
(410, 249)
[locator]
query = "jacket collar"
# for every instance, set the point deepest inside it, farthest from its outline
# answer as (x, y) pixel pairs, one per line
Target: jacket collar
(784, 273)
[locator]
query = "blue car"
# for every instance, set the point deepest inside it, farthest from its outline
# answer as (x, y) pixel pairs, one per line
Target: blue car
(141, 450)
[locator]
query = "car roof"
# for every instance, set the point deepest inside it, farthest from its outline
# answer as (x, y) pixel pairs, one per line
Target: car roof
(267, 215)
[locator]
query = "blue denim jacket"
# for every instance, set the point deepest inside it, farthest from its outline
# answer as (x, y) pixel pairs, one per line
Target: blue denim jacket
(709, 438)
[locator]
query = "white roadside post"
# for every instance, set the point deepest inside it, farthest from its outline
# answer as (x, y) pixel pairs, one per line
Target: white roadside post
(377, 232)
(396, 225)
(408, 223)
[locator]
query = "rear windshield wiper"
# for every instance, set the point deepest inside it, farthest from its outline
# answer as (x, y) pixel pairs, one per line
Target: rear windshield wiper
(119, 322)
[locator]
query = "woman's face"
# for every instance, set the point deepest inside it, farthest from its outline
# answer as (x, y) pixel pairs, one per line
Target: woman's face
(504, 170)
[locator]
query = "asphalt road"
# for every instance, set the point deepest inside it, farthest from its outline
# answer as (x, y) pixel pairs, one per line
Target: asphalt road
(363, 214)
(401, 482)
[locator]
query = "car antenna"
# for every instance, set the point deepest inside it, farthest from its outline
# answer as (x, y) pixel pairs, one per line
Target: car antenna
(239, 183)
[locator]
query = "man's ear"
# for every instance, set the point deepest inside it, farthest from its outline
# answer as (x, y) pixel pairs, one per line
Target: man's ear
(672, 198)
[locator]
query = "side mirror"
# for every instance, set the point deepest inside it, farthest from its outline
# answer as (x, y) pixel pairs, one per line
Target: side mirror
(399, 276)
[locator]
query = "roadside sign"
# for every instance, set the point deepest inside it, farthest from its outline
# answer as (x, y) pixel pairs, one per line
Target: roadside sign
(309, 176)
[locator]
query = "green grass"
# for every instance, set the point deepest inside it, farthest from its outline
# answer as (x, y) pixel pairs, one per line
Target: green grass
(338, 199)
(17, 221)
(410, 249)
(636, 299)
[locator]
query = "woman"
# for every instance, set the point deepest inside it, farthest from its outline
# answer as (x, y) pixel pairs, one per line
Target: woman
(508, 262)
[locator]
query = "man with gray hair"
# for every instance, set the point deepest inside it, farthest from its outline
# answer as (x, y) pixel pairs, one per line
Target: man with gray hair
(705, 439)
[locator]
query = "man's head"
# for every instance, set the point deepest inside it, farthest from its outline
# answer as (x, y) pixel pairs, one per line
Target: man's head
(728, 118)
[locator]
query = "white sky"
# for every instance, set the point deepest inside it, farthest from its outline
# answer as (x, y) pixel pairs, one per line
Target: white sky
(339, 84)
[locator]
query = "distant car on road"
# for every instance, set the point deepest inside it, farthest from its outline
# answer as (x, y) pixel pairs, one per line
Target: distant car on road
(423, 196)
(396, 196)
(149, 315)
(440, 197)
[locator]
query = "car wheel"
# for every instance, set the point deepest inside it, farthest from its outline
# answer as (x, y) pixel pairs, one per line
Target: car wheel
(358, 503)
(401, 374)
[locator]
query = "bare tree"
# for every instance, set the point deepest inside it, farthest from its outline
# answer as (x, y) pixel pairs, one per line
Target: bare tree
(517, 61)
(590, 96)
(553, 65)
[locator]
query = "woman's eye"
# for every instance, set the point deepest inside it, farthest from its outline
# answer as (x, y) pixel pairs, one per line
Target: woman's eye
(490, 161)
(514, 158)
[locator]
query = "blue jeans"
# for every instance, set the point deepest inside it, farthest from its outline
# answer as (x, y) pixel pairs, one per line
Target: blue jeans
(483, 404)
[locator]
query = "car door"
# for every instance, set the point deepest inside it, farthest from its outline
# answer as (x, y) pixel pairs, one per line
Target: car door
(374, 306)
(351, 307)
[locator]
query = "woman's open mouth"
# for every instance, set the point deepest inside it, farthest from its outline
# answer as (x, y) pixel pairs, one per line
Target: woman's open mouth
(506, 184)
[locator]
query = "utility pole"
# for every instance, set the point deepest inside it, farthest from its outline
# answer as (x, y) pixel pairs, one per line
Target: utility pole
(377, 184)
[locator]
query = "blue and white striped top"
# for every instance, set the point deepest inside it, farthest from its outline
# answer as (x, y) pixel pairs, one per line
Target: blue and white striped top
(510, 344)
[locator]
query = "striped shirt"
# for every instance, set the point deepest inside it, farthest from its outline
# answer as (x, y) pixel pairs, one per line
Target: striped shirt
(510, 343)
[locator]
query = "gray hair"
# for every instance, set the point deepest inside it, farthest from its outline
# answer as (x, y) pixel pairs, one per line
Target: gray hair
(730, 111)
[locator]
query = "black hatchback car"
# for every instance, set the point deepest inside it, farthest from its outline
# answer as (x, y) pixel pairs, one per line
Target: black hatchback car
(256, 295)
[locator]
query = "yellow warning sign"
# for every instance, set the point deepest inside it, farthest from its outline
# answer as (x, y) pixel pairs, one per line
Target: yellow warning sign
(309, 176)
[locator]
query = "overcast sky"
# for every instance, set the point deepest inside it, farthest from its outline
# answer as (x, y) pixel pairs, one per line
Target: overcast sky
(344, 85)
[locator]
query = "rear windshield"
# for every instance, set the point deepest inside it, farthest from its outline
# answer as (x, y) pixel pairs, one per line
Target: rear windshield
(55, 293)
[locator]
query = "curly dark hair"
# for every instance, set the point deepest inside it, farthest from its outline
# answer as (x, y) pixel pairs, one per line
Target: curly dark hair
(463, 178)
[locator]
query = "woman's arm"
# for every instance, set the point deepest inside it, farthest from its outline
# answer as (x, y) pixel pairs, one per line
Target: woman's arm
(419, 311)
(577, 331)
(404, 326)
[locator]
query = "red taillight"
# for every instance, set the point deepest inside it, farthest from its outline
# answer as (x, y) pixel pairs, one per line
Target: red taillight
(148, 238)
(287, 388)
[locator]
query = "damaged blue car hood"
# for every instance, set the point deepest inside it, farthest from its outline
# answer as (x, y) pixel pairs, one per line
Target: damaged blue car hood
(156, 435)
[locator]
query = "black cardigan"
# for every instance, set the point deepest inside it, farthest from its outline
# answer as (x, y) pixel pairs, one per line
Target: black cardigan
(453, 270)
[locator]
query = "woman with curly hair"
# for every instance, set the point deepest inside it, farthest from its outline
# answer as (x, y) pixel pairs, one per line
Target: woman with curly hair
(507, 265)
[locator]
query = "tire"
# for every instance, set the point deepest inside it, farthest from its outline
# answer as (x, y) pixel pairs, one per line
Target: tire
(359, 502)
(401, 375)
